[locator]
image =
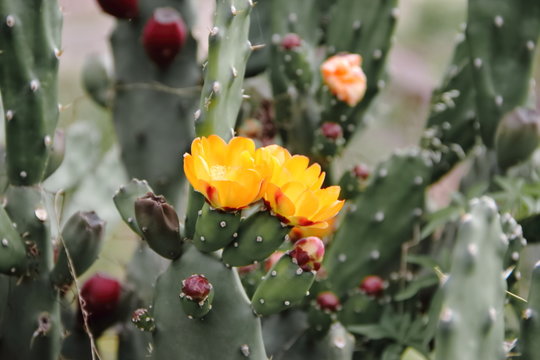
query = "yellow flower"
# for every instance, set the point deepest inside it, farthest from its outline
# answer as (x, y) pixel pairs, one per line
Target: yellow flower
(344, 77)
(224, 173)
(293, 189)
(299, 232)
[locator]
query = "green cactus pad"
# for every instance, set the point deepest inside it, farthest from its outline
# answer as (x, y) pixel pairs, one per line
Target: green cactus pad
(12, 249)
(124, 199)
(258, 237)
(502, 40)
(215, 229)
(530, 321)
(471, 323)
(30, 47)
(228, 53)
(82, 235)
(194, 204)
(376, 225)
(96, 80)
(285, 285)
(230, 331)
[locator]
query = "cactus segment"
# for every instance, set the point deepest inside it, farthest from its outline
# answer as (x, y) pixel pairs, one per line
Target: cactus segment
(471, 323)
(12, 249)
(56, 153)
(297, 67)
(228, 53)
(215, 229)
(501, 40)
(285, 285)
(362, 27)
(96, 80)
(230, 330)
(147, 96)
(365, 244)
(30, 47)
(83, 235)
(143, 320)
(195, 203)
(452, 126)
(338, 344)
(124, 199)
(530, 321)
(516, 243)
(159, 224)
(258, 237)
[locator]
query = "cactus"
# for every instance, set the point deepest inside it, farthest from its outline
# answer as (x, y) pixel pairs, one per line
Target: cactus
(145, 94)
(501, 41)
(530, 350)
(30, 45)
(474, 328)
(364, 233)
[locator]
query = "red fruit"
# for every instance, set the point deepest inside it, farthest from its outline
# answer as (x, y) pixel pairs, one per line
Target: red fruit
(308, 253)
(331, 130)
(196, 287)
(291, 41)
(101, 294)
(164, 35)
(361, 171)
(327, 300)
(372, 285)
(123, 9)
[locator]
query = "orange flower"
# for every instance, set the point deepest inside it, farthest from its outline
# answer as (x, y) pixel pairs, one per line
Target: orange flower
(293, 189)
(224, 173)
(299, 232)
(344, 77)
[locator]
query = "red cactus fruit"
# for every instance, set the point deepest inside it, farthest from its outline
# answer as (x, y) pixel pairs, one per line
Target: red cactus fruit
(372, 285)
(331, 130)
(196, 287)
(361, 171)
(164, 35)
(101, 294)
(328, 301)
(308, 253)
(122, 9)
(291, 41)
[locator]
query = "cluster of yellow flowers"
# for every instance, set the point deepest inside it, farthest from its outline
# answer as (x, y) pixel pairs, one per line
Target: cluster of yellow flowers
(234, 175)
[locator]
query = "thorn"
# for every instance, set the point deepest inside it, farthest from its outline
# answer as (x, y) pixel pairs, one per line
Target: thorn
(257, 47)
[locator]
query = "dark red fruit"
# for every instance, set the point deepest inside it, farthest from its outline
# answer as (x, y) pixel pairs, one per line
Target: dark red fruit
(331, 130)
(196, 287)
(327, 300)
(123, 9)
(101, 294)
(372, 285)
(291, 41)
(361, 171)
(164, 35)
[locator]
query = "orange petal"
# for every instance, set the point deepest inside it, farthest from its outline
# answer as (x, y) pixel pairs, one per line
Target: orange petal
(307, 205)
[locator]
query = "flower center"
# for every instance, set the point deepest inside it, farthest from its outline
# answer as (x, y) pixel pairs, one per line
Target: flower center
(218, 172)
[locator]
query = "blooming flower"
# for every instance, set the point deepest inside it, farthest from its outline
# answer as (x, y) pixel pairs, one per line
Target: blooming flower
(293, 189)
(224, 173)
(344, 77)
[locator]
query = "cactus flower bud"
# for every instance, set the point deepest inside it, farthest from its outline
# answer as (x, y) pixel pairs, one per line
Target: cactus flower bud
(361, 171)
(328, 301)
(308, 253)
(331, 130)
(196, 296)
(291, 41)
(372, 285)
(122, 9)
(101, 295)
(159, 225)
(142, 320)
(518, 135)
(164, 35)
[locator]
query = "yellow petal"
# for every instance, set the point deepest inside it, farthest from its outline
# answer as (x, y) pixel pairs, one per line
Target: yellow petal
(307, 205)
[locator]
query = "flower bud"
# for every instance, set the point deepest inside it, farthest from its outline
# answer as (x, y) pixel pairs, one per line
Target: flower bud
(372, 285)
(196, 296)
(122, 9)
(308, 253)
(328, 301)
(291, 41)
(332, 130)
(142, 320)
